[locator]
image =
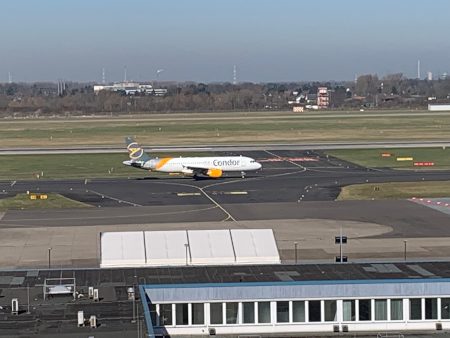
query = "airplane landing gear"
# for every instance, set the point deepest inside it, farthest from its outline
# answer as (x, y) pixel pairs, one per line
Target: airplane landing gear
(242, 174)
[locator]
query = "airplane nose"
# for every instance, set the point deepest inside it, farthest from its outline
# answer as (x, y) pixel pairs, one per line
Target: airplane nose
(258, 166)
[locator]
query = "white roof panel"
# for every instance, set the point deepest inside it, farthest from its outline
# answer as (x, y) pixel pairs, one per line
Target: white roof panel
(122, 249)
(165, 247)
(206, 247)
(255, 246)
(211, 247)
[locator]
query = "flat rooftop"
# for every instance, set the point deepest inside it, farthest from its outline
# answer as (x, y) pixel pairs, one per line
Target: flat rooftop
(231, 274)
(56, 317)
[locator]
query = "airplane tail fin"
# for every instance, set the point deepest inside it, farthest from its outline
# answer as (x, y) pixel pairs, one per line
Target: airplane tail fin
(135, 151)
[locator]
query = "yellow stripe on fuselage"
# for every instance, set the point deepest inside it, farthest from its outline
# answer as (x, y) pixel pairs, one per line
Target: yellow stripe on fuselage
(162, 162)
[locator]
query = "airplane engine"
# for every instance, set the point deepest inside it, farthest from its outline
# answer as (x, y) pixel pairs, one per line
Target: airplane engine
(214, 173)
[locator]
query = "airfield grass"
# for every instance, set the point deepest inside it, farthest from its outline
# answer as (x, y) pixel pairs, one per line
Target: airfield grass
(29, 167)
(185, 129)
(395, 190)
(373, 158)
(85, 166)
(23, 201)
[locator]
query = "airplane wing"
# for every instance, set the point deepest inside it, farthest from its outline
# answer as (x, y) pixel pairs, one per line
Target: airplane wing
(210, 172)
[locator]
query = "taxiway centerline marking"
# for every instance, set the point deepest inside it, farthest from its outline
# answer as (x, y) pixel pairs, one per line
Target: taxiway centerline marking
(182, 194)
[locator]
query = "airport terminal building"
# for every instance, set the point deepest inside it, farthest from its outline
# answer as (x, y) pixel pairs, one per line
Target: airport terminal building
(298, 300)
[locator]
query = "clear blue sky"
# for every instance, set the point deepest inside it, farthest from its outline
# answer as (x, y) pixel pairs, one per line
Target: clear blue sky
(201, 40)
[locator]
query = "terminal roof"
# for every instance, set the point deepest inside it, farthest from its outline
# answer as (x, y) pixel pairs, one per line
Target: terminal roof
(233, 274)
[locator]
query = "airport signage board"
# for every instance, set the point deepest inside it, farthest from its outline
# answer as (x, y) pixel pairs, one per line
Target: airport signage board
(405, 159)
(423, 164)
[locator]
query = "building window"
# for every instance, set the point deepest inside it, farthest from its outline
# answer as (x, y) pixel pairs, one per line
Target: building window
(298, 311)
(430, 308)
(165, 314)
(445, 308)
(182, 314)
(232, 313)
(365, 312)
(314, 311)
(248, 317)
(415, 308)
(380, 309)
(349, 310)
(198, 313)
(330, 310)
(282, 312)
(396, 309)
(216, 313)
(264, 312)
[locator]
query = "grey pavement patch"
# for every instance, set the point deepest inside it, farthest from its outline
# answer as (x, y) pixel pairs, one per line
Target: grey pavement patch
(439, 204)
(286, 276)
(386, 268)
(113, 284)
(369, 269)
(421, 271)
(17, 281)
(1, 215)
(5, 280)
(32, 273)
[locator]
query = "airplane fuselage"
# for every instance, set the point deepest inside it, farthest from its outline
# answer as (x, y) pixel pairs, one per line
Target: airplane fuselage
(211, 166)
(183, 164)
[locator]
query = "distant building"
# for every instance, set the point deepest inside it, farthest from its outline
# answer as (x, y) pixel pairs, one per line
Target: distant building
(131, 88)
(439, 107)
(323, 98)
(430, 76)
(298, 109)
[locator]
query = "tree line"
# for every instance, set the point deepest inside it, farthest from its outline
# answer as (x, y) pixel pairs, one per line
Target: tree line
(394, 90)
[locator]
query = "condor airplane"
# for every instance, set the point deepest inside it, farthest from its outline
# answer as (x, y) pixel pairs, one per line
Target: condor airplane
(190, 166)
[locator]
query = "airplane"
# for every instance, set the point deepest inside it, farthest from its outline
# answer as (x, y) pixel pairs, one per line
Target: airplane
(212, 167)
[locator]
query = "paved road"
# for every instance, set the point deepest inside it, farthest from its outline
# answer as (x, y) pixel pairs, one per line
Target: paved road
(283, 190)
(229, 147)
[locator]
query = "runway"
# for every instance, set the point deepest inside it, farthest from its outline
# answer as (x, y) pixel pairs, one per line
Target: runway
(292, 185)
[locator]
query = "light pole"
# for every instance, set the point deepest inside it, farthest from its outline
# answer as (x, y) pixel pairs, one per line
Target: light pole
(186, 245)
(295, 250)
(135, 286)
(134, 305)
(28, 299)
(49, 258)
(404, 252)
(341, 240)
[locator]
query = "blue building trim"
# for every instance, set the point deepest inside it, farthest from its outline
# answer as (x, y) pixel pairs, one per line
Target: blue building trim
(297, 283)
(148, 318)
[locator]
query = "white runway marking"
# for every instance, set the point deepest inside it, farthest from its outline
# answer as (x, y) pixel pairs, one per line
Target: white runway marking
(235, 193)
(114, 199)
(229, 216)
(182, 194)
(286, 159)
